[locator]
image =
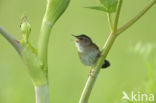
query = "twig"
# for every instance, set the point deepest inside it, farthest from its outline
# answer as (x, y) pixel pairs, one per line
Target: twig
(135, 18)
(117, 16)
(110, 21)
(91, 80)
(11, 40)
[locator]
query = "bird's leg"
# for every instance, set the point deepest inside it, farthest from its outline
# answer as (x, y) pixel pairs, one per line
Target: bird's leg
(91, 72)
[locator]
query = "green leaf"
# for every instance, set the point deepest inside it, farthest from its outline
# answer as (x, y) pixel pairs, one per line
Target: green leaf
(55, 8)
(110, 5)
(100, 8)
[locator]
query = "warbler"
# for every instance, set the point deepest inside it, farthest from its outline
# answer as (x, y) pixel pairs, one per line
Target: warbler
(88, 51)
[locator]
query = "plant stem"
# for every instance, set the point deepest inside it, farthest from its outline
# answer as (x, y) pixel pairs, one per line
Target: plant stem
(135, 18)
(110, 21)
(42, 94)
(54, 9)
(92, 78)
(117, 16)
(11, 40)
(44, 39)
(43, 44)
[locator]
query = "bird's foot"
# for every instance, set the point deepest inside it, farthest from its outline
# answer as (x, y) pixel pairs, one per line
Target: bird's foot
(91, 72)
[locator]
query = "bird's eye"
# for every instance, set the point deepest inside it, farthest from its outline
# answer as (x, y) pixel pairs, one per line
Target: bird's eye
(81, 38)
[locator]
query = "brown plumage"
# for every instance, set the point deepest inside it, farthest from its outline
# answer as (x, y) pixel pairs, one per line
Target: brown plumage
(88, 51)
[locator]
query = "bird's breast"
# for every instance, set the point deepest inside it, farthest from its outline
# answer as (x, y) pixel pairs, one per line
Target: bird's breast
(89, 58)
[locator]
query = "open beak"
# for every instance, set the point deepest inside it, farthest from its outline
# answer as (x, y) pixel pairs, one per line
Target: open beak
(77, 39)
(74, 36)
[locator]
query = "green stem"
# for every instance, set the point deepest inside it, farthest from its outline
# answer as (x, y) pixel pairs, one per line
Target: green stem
(92, 78)
(43, 44)
(37, 63)
(54, 10)
(11, 40)
(117, 16)
(44, 38)
(42, 94)
(135, 18)
(110, 21)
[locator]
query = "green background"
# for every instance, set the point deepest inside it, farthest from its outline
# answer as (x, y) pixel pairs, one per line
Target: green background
(129, 56)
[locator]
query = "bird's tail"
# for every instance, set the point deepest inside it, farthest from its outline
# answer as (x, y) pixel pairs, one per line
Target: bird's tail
(106, 64)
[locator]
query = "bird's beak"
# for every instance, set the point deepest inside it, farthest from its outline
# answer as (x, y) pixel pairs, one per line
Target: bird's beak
(74, 36)
(77, 39)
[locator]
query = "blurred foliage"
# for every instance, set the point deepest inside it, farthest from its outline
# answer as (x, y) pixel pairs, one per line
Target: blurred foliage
(148, 86)
(150, 83)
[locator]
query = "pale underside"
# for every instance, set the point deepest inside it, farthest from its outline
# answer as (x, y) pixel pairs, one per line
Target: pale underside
(88, 56)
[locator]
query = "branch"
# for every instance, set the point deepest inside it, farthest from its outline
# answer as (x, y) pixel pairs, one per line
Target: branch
(91, 80)
(11, 40)
(117, 16)
(135, 18)
(110, 21)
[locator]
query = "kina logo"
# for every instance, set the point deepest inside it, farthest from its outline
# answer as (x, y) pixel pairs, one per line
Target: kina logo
(138, 97)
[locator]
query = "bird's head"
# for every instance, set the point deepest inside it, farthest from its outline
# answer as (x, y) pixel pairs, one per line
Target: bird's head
(82, 40)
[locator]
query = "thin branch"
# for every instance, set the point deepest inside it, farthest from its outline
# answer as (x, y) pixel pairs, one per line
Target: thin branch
(135, 18)
(11, 40)
(110, 21)
(92, 78)
(117, 16)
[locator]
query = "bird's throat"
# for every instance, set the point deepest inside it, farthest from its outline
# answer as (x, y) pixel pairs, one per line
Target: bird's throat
(80, 47)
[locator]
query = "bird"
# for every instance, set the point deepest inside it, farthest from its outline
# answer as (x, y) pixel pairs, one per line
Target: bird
(88, 51)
